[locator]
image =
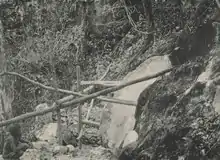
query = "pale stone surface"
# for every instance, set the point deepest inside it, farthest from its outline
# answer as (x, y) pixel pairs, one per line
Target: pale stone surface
(216, 102)
(48, 133)
(130, 138)
(63, 157)
(60, 149)
(204, 76)
(39, 145)
(122, 116)
(31, 154)
(71, 148)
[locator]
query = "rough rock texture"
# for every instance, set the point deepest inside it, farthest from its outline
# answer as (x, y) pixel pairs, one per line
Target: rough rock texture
(122, 116)
(99, 153)
(56, 152)
(45, 150)
(48, 133)
(177, 118)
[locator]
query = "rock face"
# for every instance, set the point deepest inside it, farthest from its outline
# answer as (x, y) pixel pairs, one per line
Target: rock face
(178, 119)
(122, 118)
(48, 133)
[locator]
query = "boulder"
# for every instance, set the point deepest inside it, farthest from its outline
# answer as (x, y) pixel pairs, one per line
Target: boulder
(41, 145)
(71, 148)
(63, 157)
(130, 138)
(48, 133)
(60, 150)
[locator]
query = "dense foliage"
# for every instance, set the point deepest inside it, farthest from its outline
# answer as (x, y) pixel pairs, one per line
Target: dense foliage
(42, 40)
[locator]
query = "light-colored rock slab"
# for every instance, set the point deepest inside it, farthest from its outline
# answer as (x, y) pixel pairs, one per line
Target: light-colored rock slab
(130, 138)
(48, 133)
(204, 76)
(122, 116)
(41, 145)
(63, 157)
(216, 102)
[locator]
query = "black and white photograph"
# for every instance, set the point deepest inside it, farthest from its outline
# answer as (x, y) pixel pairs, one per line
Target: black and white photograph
(109, 79)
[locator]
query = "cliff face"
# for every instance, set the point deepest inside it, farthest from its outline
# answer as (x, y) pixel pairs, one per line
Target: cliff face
(176, 116)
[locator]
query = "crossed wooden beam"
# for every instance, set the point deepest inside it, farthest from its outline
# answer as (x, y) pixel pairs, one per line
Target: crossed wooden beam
(69, 101)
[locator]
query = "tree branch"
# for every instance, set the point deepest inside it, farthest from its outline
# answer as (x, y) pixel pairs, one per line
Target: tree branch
(82, 99)
(67, 91)
(101, 83)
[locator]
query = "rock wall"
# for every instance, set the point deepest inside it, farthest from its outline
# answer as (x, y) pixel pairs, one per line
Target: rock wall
(179, 119)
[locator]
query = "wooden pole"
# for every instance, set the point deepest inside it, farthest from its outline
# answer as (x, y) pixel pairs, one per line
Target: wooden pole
(101, 83)
(79, 107)
(59, 125)
(88, 89)
(91, 123)
(65, 104)
(87, 118)
(71, 97)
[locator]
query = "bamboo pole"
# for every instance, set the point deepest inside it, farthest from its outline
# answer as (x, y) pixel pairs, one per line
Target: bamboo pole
(100, 79)
(87, 118)
(3, 108)
(101, 83)
(59, 125)
(91, 123)
(79, 107)
(65, 104)
(71, 97)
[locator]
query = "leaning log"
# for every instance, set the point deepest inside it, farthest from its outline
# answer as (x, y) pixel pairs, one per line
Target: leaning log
(82, 99)
(71, 97)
